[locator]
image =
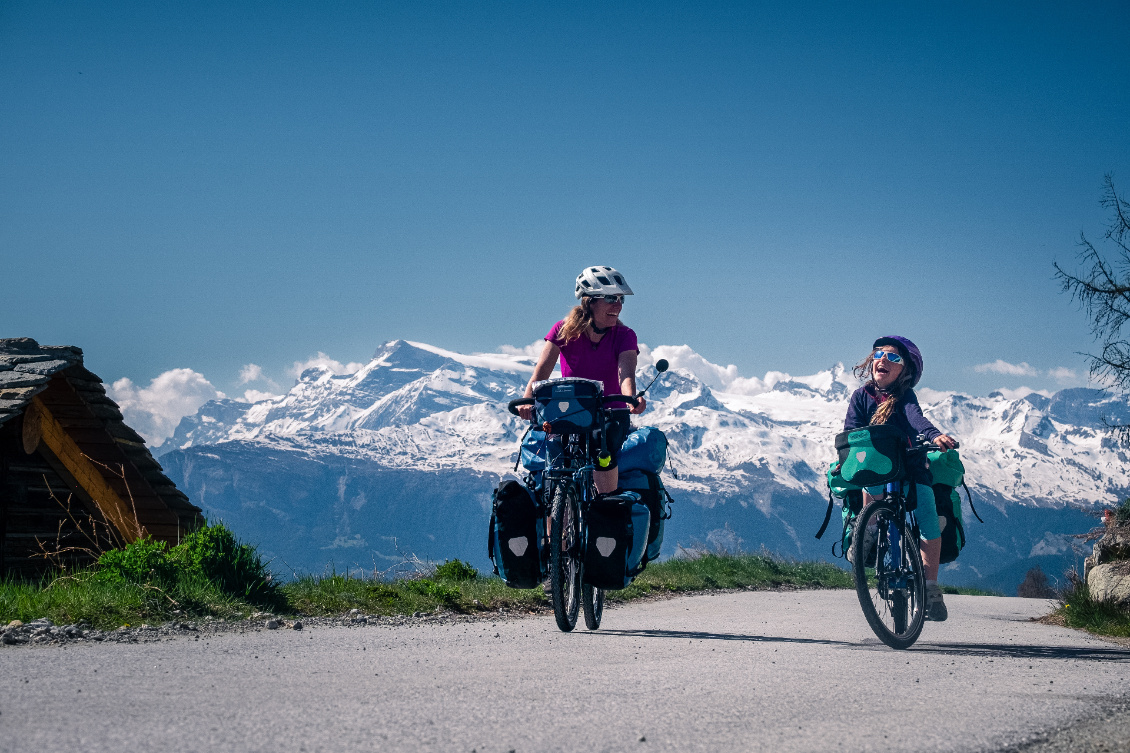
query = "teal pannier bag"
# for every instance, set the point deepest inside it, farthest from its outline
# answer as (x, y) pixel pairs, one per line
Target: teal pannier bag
(946, 468)
(871, 455)
(836, 484)
(949, 473)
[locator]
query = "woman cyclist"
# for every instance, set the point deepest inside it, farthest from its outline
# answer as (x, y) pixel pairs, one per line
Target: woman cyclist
(887, 397)
(593, 343)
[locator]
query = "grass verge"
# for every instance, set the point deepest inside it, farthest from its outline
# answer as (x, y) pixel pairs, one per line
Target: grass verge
(1078, 610)
(212, 574)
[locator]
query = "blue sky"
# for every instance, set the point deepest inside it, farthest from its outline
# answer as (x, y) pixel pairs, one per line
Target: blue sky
(210, 185)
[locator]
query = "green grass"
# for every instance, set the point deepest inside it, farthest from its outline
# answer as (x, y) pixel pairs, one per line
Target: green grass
(714, 571)
(211, 573)
(1079, 610)
(106, 603)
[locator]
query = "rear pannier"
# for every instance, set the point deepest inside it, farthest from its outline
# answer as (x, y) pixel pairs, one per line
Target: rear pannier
(650, 488)
(514, 540)
(615, 540)
(569, 406)
(871, 455)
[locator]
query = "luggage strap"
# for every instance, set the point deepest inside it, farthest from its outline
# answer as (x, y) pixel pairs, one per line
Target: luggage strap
(827, 516)
(520, 442)
(970, 498)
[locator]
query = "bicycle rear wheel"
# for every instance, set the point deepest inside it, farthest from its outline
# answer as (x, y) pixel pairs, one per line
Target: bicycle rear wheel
(564, 556)
(894, 597)
(592, 599)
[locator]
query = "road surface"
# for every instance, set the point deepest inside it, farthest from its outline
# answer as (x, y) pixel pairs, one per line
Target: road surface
(752, 671)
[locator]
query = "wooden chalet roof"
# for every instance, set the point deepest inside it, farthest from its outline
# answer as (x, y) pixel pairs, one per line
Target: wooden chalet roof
(68, 418)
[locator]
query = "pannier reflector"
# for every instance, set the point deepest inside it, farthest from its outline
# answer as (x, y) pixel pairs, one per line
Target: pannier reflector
(563, 406)
(518, 545)
(861, 455)
(605, 545)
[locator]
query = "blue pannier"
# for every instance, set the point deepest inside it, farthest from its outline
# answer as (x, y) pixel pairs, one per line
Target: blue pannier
(514, 539)
(645, 449)
(538, 449)
(615, 540)
(650, 488)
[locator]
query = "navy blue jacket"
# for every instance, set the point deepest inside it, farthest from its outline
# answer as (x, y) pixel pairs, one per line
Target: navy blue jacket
(907, 417)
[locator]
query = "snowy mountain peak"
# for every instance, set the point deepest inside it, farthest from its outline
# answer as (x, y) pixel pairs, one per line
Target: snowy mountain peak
(418, 406)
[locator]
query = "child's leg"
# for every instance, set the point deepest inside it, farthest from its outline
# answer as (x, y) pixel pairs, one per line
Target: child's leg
(930, 527)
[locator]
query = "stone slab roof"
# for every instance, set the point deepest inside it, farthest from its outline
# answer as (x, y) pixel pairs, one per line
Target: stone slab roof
(28, 368)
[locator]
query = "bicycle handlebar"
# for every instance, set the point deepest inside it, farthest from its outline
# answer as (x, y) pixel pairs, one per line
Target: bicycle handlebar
(513, 405)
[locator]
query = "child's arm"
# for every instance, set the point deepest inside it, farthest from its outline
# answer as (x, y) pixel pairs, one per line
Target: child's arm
(857, 411)
(922, 425)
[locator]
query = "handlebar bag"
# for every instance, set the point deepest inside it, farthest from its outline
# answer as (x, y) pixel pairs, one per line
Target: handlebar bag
(645, 449)
(514, 537)
(569, 406)
(615, 540)
(650, 488)
(836, 484)
(871, 455)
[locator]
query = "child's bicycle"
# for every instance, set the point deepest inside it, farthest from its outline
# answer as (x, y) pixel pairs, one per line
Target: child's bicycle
(885, 541)
(572, 408)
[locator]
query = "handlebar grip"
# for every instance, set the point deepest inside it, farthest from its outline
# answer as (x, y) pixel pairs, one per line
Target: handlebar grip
(513, 405)
(621, 399)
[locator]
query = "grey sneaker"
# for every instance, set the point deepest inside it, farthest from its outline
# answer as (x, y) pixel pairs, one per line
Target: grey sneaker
(935, 605)
(869, 536)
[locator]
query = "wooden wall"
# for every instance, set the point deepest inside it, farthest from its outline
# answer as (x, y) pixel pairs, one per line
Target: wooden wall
(33, 514)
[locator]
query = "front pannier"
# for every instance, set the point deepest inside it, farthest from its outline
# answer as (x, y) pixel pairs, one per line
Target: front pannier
(569, 406)
(871, 455)
(615, 540)
(515, 536)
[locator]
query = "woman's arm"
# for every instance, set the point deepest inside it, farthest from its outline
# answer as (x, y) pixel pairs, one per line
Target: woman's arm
(626, 365)
(544, 367)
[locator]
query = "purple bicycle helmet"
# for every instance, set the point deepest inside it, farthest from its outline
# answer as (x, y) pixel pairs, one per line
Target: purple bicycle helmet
(908, 350)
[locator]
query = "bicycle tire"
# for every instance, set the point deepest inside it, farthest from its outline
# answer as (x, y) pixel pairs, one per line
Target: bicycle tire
(564, 556)
(592, 599)
(895, 607)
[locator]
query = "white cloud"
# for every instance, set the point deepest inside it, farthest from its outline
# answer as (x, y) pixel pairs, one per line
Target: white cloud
(155, 411)
(533, 349)
(1004, 367)
(257, 396)
(1064, 375)
(322, 359)
(251, 372)
(721, 378)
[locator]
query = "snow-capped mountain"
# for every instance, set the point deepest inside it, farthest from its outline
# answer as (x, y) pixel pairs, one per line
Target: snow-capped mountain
(410, 446)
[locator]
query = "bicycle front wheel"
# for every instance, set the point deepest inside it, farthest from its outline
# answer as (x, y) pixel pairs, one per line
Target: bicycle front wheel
(592, 599)
(892, 593)
(565, 556)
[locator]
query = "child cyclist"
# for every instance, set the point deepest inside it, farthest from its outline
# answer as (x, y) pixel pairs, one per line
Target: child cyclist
(887, 397)
(592, 343)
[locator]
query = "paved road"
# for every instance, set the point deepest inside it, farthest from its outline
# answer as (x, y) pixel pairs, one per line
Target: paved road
(743, 672)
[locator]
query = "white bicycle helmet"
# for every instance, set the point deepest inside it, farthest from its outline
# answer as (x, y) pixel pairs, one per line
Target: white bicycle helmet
(601, 281)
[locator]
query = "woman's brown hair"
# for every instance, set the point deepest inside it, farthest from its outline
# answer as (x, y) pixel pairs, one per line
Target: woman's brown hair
(578, 320)
(862, 370)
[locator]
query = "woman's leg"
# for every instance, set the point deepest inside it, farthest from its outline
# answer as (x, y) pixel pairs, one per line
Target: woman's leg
(606, 481)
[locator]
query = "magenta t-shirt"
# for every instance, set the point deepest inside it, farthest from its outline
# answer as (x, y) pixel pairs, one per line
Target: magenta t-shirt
(599, 362)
